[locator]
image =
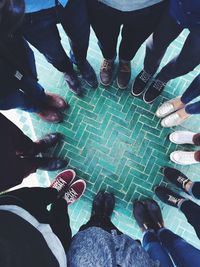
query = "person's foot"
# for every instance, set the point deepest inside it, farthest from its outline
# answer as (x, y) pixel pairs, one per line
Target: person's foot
(175, 118)
(124, 74)
(106, 72)
(140, 83)
(183, 157)
(47, 141)
(50, 115)
(168, 107)
(63, 180)
(88, 74)
(103, 204)
(182, 137)
(49, 164)
(73, 83)
(168, 196)
(74, 191)
(155, 212)
(55, 101)
(177, 178)
(142, 216)
(154, 90)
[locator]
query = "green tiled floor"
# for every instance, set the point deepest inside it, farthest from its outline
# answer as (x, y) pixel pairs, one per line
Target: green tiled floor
(115, 142)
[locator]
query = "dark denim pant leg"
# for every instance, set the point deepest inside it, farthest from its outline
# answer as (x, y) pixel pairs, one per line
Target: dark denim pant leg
(106, 23)
(167, 31)
(192, 212)
(132, 38)
(156, 251)
(41, 31)
(186, 61)
(182, 253)
(75, 21)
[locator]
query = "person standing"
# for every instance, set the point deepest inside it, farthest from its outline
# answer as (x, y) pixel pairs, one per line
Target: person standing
(182, 14)
(138, 20)
(40, 29)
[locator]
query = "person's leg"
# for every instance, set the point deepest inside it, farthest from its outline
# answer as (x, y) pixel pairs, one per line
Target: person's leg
(107, 33)
(60, 223)
(192, 91)
(155, 250)
(182, 253)
(186, 61)
(195, 190)
(132, 38)
(42, 30)
(167, 31)
(192, 212)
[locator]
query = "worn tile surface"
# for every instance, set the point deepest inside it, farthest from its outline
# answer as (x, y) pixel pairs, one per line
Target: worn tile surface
(114, 141)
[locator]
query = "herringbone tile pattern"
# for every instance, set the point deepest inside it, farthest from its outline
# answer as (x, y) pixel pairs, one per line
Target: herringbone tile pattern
(115, 142)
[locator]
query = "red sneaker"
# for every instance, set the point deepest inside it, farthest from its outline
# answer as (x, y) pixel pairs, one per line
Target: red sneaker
(63, 179)
(75, 191)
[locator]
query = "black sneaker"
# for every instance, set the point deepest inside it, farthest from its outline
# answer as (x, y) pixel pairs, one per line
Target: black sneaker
(140, 83)
(124, 74)
(49, 164)
(176, 177)
(155, 212)
(73, 83)
(167, 196)
(154, 90)
(142, 216)
(88, 74)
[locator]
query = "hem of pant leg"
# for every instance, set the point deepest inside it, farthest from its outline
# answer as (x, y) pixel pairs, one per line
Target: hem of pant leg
(190, 190)
(187, 110)
(180, 204)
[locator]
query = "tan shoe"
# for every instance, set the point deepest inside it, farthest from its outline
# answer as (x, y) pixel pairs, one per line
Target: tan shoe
(50, 115)
(168, 107)
(175, 118)
(55, 101)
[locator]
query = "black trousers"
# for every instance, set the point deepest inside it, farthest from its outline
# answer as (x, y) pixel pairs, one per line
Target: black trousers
(35, 200)
(137, 26)
(14, 168)
(192, 213)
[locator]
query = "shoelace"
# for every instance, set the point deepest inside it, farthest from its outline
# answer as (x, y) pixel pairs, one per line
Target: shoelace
(70, 195)
(173, 199)
(106, 65)
(158, 85)
(145, 76)
(182, 181)
(59, 184)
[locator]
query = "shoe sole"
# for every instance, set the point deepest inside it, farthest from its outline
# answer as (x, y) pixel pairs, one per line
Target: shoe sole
(84, 188)
(106, 85)
(122, 87)
(148, 102)
(60, 175)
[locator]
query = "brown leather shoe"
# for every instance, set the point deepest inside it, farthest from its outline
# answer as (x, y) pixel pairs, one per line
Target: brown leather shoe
(55, 101)
(106, 72)
(124, 74)
(50, 115)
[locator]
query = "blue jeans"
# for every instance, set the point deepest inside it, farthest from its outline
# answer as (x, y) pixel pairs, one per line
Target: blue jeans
(166, 243)
(188, 58)
(41, 31)
(191, 93)
(26, 94)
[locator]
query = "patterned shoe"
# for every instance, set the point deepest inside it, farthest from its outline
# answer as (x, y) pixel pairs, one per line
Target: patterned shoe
(182, 137)
(154, 90)
(183, 157)
(63, 180)
(75, 191)
(140, 83)
(167, 196)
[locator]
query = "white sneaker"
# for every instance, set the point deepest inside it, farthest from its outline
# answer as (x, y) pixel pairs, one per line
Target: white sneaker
(166, 108)
(183, 157)
(172, 120)
(182, 137)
